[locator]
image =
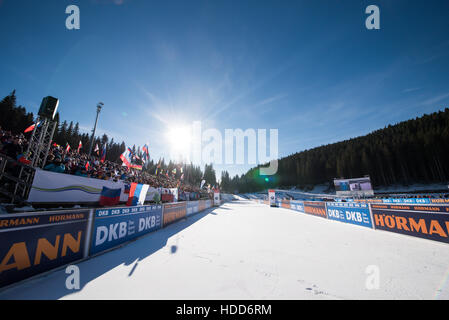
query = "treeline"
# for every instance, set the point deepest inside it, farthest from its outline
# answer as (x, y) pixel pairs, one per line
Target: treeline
(16, 119)
(413, 151)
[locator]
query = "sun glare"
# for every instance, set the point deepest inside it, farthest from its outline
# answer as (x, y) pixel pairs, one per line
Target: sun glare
(179, 138)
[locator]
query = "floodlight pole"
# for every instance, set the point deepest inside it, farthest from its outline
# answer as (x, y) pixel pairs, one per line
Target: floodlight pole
(99, 105)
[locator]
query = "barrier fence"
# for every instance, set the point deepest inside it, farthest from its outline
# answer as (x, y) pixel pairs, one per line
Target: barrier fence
(423, 220)
(34, 243)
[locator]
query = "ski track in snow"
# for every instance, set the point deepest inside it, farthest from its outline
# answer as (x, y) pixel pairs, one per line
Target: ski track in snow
(244, 250)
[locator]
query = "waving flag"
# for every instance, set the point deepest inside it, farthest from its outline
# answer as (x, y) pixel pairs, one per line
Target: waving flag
(146, 153)
(110, 197)
(103, 154)
(137, 194)
(87, 166)
(131, 153)
(96, 148)
(79, 146)
(202, 184)
(31, 128)
(126, 158)
(67, 148)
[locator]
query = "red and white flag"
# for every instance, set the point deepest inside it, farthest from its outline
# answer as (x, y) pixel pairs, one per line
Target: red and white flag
(67, 149)
(126, 158)
(97, 150)
(79, 146)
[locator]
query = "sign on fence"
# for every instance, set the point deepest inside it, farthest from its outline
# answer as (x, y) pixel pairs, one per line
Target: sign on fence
(354, 213)
(37, 242)
(297, 205)
(174, 212)
(412, 221)
(315, 208)
(192, 207)
(115, 226)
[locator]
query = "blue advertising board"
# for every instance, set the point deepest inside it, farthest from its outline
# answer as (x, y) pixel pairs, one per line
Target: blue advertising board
(407, 201)
(297, 205)
(115, 226)
(354, 213)
(37, 242)
(192, 207)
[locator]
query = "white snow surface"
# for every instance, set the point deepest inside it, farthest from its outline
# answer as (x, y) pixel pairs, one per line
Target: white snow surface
(245, 250)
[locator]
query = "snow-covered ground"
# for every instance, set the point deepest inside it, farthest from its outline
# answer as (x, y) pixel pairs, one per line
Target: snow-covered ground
(244, 250)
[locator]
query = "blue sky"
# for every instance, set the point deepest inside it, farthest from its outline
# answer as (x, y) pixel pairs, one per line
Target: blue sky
(307, 68)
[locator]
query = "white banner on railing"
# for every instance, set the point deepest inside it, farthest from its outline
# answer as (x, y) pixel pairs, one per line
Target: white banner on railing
(58, 187)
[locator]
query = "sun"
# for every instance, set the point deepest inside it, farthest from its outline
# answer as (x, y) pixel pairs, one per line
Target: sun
(179, 139)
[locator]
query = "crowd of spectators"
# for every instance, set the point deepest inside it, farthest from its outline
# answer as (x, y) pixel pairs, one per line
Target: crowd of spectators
(80, 164)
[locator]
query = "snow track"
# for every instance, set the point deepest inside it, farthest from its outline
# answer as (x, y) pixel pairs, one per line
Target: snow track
(244, 250)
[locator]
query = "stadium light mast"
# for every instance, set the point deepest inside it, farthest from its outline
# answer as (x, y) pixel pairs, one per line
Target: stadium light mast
(99, 106)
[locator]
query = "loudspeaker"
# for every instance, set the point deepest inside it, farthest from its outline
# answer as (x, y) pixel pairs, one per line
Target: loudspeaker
(48, 108)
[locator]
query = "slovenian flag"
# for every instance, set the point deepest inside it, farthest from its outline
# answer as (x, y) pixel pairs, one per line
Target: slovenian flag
(31, 128)
(110, 197)
(137, 194)
(103, 154)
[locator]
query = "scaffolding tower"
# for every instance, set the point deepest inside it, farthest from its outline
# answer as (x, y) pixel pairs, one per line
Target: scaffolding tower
(16, 178)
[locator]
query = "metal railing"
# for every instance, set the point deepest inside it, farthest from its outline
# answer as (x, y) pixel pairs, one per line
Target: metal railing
(16, 179)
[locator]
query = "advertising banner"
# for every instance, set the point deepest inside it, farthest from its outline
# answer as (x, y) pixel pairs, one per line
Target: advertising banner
(174, 211)
(315, 208)
(201, 205)
(297, 205)
(37, 242)
(216, 198)
(421, 224)
(407, 201)
(272, 198)
(208, 204)
(365, 200)
(153, 194)
(408, 207)
(354, 213)
(115, 226)
(439, 201)
(192, 207)
(59, 187)
(285, 204)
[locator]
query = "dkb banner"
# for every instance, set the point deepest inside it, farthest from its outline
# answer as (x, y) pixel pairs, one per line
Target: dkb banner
(174, 212)
(315, 208)
(354, 213)
(297, 205)
(192, 207)
(407, 200)
(113, 227)
(34, 243)
(422, 224)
